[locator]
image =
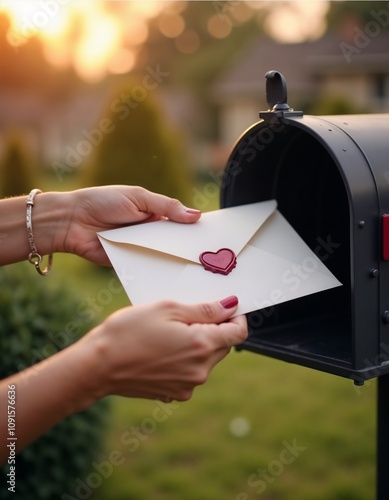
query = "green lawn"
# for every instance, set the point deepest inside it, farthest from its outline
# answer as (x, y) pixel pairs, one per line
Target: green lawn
(258, 428)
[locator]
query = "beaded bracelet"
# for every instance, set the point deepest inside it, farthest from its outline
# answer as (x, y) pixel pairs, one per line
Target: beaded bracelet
(34, 257)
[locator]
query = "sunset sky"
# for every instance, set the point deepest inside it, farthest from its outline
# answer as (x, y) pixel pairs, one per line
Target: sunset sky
(99, 37)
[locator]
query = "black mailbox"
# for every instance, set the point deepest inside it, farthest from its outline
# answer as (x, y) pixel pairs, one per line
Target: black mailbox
(330, 177)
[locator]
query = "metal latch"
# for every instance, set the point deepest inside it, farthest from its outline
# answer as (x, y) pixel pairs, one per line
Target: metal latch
(276, 97)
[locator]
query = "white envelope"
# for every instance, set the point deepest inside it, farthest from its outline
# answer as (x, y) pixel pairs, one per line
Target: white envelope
(160, 260)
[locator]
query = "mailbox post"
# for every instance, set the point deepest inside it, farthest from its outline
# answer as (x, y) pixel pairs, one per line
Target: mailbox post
(330, 177)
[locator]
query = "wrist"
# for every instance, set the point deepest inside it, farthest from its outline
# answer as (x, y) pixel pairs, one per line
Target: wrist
(83, 379)
(92, 359)
(50, 219)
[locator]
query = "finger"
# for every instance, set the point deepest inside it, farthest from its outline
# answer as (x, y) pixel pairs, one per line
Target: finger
(206, 312)
(158, 204)
(234, 332)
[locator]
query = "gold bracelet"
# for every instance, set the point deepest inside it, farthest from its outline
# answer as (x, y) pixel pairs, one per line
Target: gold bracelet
(34, 257)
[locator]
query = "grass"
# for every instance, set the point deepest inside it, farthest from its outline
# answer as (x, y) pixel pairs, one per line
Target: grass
(190, 451)
(193, 454)
(232, 440)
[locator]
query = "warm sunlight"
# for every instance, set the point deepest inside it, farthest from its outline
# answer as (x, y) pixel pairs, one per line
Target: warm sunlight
(297, 21)
(99, 37)
(95, 40)
(100, 40)
(29, 19)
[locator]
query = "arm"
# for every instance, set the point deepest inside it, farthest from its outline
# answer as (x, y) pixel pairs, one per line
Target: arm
(157, 351)
(68, 222)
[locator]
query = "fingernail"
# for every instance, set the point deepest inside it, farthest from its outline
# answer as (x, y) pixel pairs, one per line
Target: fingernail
(229, 302)
(192, 211)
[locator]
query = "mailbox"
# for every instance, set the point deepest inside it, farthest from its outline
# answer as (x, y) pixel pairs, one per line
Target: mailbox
(330, 177)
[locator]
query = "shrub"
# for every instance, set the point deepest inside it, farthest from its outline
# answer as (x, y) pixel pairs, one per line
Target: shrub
(32, 313)
(334, 105)
(139, 149)
(16, 169)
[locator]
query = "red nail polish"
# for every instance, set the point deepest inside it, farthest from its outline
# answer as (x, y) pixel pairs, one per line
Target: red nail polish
(229, 302)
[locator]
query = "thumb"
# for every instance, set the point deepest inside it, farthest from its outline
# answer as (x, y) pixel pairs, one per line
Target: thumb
(162, 205)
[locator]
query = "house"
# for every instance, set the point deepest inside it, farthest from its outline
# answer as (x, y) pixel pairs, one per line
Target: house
(356, 69)
(61, 133)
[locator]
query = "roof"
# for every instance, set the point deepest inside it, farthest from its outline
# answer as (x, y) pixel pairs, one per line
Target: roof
(300, 63)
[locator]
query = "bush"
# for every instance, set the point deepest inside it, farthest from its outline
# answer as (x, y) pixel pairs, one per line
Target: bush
(140, 149)
(334, 105)
(16, 169)
(32, 313)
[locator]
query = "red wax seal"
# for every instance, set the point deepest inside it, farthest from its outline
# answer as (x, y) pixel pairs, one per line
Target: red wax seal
(223, 261)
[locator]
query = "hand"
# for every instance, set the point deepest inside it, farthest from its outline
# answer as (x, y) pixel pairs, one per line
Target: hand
(99, 208)
(68, 221)
(157, 351)
(163, 350)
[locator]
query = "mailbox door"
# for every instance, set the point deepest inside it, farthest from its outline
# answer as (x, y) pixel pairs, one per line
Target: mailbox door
(325, 187)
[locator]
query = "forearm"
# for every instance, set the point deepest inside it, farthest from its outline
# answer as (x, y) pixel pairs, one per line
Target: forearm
(46, 393)
(50, 215)
(155, 351)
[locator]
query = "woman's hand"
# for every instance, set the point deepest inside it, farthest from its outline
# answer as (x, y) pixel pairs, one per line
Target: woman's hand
(157, 351)
(99, 208)
(69, 221)
(163, 350)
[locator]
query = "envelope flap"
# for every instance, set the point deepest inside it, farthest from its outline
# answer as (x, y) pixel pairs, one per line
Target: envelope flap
(229, 227)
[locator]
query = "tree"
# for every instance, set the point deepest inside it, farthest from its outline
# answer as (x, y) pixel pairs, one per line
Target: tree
(139, 147)
(358, 12)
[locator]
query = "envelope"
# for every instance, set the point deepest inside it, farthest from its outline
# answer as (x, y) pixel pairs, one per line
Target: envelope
(161, 259)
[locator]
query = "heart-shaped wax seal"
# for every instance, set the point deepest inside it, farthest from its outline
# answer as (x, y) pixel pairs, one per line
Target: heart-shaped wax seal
(223, 261)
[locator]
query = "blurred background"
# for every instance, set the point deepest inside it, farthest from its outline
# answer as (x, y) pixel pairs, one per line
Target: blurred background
(156, 93)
